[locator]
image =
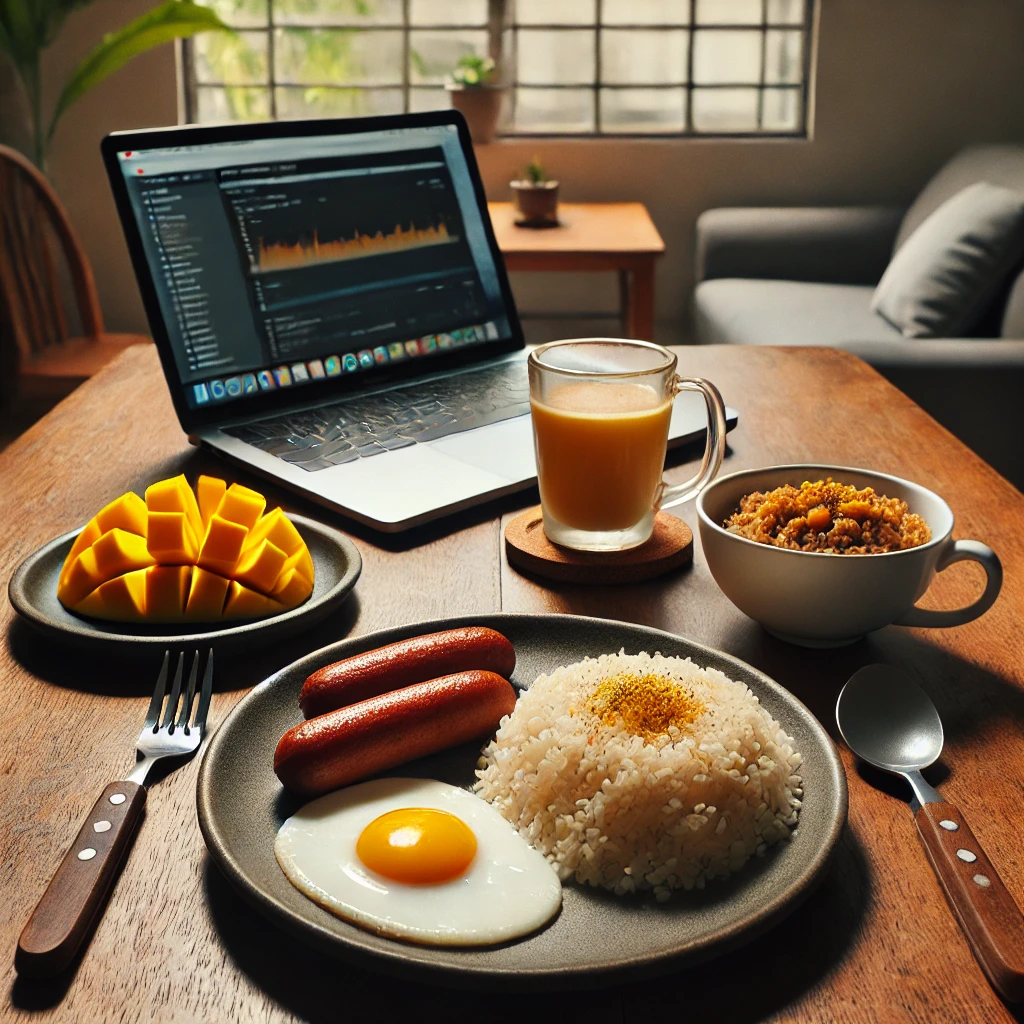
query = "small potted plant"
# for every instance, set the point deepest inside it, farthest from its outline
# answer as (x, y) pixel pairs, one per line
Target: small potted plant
(536, 198)
(477, 95)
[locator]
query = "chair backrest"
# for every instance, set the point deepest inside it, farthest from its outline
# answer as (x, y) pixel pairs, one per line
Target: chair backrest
(31, 309)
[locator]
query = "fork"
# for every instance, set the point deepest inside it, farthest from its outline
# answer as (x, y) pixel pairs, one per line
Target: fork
(79, 888)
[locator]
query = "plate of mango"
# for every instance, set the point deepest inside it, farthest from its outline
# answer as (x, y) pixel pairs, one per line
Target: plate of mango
(210, 564)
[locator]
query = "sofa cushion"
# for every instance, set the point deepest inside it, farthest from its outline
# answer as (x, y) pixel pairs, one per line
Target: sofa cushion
(744, 311)
(941, 282)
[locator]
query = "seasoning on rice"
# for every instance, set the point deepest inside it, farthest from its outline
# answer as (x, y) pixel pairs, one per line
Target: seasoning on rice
(828, 517)
(643, 772)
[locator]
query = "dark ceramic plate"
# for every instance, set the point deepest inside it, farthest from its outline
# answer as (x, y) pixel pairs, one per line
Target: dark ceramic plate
(598, 938)
(33, 593)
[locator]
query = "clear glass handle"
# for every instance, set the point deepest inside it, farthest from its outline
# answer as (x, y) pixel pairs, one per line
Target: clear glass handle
(714, 450)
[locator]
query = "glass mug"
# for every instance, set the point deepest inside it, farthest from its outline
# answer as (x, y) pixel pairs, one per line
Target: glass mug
(601, 411)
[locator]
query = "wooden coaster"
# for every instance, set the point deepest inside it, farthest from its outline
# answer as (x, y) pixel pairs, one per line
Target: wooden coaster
(528, 549)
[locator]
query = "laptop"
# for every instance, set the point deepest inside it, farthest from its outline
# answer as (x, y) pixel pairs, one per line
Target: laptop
(332, 311)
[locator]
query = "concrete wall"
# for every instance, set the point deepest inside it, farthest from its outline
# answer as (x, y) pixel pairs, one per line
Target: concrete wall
(900, 86)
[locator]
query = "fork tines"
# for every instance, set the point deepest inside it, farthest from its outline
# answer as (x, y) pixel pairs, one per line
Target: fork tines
(153, 716)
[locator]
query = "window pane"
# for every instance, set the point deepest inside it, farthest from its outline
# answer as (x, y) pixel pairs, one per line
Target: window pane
(783, 57)
(556, 12)
(728, 12)
(325, 102)
(724, 110)
(338, 12)
(433, 55)
(642, 57)
(554, 110)
(240, 13)
(556, 57)
(232, 104)
(642, 110)
(448, 12)
(727, 57)
(429, 99)
(337, 57)
(645, 12)
(235, 59)
(781, 110)
(785, 12)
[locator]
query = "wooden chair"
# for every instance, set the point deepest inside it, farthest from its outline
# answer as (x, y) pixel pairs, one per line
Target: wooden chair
(40, 362)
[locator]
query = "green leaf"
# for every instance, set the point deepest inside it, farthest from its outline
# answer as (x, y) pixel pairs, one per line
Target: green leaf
(173, 19)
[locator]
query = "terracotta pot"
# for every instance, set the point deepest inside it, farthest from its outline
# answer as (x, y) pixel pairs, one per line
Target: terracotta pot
(480, 105)
(536, 202)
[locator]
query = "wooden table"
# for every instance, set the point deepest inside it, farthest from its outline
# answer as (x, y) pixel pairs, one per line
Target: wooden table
(876, 942)
(591, 237)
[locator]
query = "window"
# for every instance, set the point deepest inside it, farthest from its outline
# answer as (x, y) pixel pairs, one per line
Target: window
(574, 67)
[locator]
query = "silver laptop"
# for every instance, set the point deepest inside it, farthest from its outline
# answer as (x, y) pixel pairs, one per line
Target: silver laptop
(331, 309)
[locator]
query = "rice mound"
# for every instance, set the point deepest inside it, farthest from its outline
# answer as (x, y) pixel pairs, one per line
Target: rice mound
(611, 808)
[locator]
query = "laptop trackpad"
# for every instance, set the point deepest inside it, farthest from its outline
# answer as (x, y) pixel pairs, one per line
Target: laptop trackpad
(504, 448)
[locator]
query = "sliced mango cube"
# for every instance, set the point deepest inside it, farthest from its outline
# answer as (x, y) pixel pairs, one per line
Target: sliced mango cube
(125, 513)
(242, 505)
(183, 555)
(171, 540)
(209, 490)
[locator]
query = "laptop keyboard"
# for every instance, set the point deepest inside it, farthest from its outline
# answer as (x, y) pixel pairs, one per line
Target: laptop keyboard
(360, 427)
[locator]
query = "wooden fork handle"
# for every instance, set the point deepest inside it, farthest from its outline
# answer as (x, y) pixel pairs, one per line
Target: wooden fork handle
(988, 915)
(77, 892)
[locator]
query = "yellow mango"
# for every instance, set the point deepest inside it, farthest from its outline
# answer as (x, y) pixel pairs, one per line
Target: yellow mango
(125, 513)
(259, 567)
(292, 588)
(244, 603)
(242, 505)
(122, 599)
(206, 596)
(189, 556)
(167, 592)
(209, 490)
(171, 540)
(222, 545)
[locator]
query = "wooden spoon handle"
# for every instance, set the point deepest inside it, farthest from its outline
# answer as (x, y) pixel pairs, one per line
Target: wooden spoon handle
(78, 891)
(988, 915)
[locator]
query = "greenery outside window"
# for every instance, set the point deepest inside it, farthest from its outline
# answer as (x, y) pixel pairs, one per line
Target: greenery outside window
(572, 67)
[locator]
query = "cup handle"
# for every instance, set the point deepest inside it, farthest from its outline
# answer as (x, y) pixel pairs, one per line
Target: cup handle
(713, 451)
(959, 551)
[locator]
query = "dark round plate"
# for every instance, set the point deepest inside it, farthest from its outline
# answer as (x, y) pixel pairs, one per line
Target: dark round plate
(598, 938)
(33, 593)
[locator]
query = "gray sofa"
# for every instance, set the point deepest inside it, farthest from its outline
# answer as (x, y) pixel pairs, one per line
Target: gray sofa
(805, 276)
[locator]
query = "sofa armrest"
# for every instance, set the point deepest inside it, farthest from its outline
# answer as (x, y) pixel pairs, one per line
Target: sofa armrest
(833, 245)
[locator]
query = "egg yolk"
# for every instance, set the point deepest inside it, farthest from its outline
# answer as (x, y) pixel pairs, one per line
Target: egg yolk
(417, 845)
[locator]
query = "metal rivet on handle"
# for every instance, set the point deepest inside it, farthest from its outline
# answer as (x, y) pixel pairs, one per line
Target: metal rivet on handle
(101, 826)
(966, 856)
(982, 880)
(117, 798)
(87, 854)
(949, 826)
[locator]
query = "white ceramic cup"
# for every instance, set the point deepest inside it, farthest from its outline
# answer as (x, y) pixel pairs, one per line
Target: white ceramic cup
(817, 599)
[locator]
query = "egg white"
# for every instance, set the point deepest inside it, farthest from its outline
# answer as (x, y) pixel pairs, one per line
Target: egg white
(508, 890)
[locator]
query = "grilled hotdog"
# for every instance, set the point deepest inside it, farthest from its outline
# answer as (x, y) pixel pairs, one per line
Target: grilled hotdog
(362, 739)
(404, 663)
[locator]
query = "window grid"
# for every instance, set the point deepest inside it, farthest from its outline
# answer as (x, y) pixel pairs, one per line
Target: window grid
(511, 31)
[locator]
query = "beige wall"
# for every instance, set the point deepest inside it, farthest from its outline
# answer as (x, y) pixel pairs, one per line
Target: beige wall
(901, 85)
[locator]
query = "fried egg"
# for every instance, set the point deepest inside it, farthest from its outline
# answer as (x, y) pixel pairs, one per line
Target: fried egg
(418, 860)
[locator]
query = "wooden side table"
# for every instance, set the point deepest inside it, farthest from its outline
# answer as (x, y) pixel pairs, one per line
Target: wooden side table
(591, 237)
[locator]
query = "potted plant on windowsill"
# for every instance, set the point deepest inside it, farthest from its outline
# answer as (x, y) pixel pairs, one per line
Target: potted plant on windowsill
(536, 198)
(477, 94)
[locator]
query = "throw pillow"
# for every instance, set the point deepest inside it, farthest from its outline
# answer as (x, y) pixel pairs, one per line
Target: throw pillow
(940, 281)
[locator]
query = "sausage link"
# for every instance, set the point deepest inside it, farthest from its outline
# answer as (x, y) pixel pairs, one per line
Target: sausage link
(362, 739)
(404, 663)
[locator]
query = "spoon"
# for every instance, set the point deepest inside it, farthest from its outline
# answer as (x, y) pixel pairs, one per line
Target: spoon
(888, 720)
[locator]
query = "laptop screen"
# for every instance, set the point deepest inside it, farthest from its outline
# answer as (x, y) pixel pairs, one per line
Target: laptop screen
(288, 262)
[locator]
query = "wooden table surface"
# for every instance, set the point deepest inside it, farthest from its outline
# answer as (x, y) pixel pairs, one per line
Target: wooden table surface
(876, 941)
